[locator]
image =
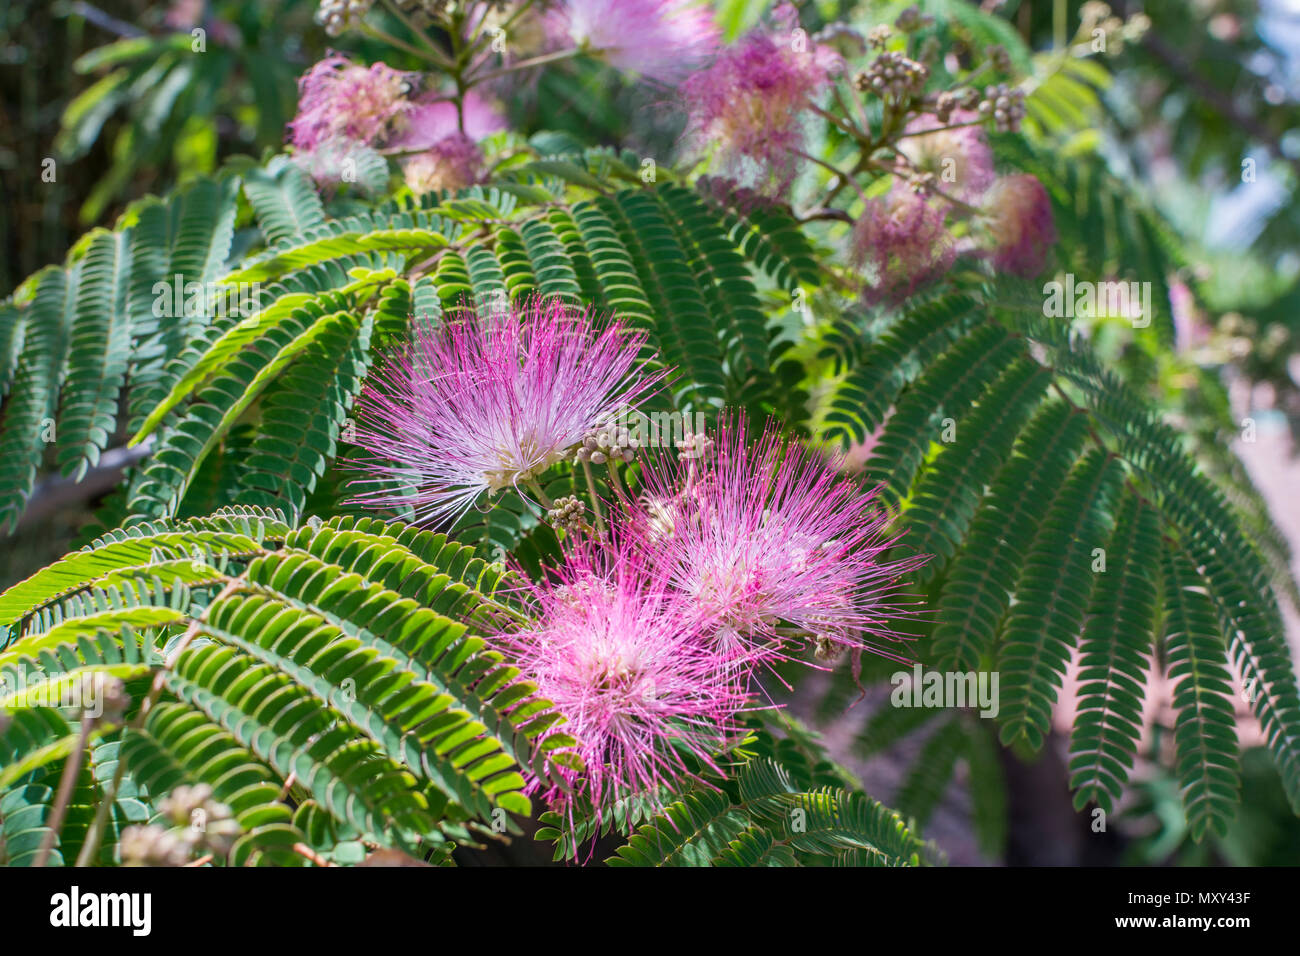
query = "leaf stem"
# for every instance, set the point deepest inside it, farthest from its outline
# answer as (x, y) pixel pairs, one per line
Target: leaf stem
(71, 770)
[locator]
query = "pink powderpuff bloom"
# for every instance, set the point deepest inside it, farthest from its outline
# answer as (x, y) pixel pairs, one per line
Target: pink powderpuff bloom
(479, 404)
(901, 243)
(1019, 215)
(960, 159)
(769, 537)
(339, 99)
(450, 159)
(751, 105)
(611, 647)
(661, 40)
(452, 163)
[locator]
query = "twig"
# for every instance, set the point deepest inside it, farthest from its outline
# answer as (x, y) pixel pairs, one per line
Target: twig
(71, 770)
(304, 850)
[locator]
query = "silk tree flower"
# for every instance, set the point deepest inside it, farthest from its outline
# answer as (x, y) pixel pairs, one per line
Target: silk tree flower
(339, 99)
(612, 647)
(452, 163)
(901, 243)
(751, 104)
(769, 539)
(960, 159)
(1018, 212)
(480, 404)
(661, 40)
(448, 158)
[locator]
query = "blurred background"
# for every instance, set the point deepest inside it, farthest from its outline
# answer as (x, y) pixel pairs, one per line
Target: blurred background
(101, 103)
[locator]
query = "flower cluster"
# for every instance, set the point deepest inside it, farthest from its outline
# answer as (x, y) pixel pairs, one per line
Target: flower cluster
(651, 636)
(339, 99)
(614, 649)
(771, 547)
(953, 149)
(660, 40)
(1019, 214)
(751, 103)
(901, 242)
(345, 110)
(485, 403)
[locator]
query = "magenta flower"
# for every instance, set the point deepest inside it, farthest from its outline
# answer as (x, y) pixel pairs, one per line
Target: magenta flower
(339, 99)
(453, 162)
(614, 650)
(450, 159)
(900, 243)
(660, 40)
(960, 159)
(751, 105)
(769, 543)
(1019, 215)
(480, 404)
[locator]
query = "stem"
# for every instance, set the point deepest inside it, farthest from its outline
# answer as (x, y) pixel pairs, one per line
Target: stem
(615, 482)
(96, 832)
(595, 499)
(384, 36)
(304, 850)
(542, 496)
(420, 35)
(71, 770)
(843, 176)
(939, 129)
(528, 64)
(843, 124)
(863, 120)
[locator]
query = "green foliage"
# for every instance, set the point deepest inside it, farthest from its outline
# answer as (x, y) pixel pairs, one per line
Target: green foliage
(776, 806)
(1011, 453)
(339, 657)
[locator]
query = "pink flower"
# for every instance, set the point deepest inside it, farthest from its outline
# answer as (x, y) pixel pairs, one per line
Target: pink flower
(901, 243)
(452, 163)
(1019, 215)
(339, 99)
(751, 103)
(478, 405)
(960, 159)
(612, 648)
(450, 159)
(660, 40)
(768, 539)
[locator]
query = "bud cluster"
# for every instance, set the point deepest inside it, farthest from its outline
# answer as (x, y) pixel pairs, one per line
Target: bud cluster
(609, 443)
(567, 515)
(199, 823)
(339, 16)
(1006, 105)
(893, 74)
(911, 20)
(103, 697)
